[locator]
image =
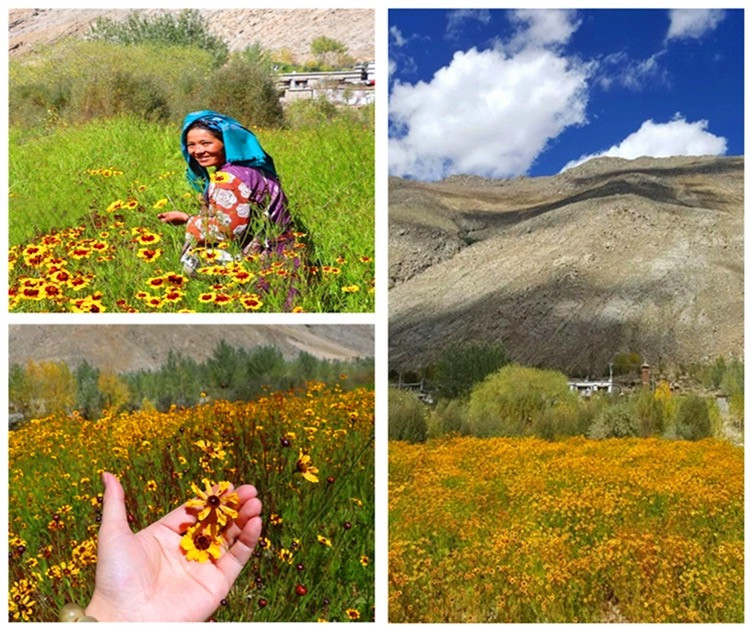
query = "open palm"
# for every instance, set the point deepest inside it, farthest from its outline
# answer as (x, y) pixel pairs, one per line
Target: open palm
(146, 577)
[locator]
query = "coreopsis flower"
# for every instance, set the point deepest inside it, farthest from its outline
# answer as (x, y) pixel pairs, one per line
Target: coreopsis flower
(213, 450)
(217, 505)
(325, 541)
(308, 471)
(201, 543)
(149, 255)
(352, 614)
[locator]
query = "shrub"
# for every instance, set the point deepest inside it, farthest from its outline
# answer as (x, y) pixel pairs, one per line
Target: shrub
(560, 420)
(616, 420)
(693, 421)
(310, 113)
(76, 81)
(512, 400)
(187, 29)
(451, 416)
(407, 419)
(244, 89)
(462, 365)
(650, 413)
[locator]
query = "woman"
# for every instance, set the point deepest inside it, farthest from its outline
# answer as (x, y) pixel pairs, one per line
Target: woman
(243, 199)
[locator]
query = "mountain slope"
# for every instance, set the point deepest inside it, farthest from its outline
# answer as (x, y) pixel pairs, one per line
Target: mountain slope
(124, 348)
(613, 256)
(277, 30)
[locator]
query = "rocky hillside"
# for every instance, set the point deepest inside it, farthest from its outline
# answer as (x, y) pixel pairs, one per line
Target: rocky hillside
(124, 348)
(275, 29)
(566, 271)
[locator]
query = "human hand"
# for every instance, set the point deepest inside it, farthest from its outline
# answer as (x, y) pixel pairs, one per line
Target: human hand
(146, 577)
(174, 217)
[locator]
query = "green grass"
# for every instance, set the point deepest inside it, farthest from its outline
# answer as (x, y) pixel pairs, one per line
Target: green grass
(56, 183)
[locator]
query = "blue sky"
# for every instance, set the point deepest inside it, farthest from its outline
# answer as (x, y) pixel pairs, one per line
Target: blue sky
(502, 93)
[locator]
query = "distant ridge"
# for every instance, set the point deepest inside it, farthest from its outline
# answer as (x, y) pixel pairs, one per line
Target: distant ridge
(123, 348)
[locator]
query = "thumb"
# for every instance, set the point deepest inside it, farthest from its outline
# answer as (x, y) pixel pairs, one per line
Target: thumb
(114, 514)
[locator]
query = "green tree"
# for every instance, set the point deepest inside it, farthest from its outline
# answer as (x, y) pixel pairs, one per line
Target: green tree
(462, 365)
(20, 392)
(88, 397)
(330, 52)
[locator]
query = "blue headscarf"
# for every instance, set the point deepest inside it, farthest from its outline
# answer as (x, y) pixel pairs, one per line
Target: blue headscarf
(240, 147)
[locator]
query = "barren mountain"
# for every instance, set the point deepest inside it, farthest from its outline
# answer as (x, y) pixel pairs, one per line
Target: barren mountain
(124, 348)
(566, 271)
(275, 29)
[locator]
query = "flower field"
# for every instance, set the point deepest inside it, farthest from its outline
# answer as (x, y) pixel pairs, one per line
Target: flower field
(85, 237)
(308, 452)
(524, 530)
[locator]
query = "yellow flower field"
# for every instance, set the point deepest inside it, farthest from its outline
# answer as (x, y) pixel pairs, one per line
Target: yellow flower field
(524, 530)
(162, 458)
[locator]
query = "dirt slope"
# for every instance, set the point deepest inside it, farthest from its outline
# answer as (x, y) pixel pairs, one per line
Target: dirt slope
(275, 29)
(134, 347)
(613, 256)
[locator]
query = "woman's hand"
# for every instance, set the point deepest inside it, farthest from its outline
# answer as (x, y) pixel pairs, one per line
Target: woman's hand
(174, 217)
(146, 577)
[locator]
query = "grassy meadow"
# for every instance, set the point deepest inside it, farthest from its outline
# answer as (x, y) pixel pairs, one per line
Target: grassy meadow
(319, 535)
(84, 236)
(525, 530)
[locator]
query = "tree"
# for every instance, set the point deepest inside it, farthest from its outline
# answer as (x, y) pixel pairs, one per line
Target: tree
(19, 390)
(462, 365)
(330, 52)
(88, 396)
(114, 391)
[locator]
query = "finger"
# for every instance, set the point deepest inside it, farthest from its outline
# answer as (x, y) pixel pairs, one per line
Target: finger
(234, 561)
(246, 492)
(114, 513)
(250, 509)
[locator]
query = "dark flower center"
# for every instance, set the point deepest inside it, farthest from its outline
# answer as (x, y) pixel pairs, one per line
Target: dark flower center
(202, 542)
(214, 501)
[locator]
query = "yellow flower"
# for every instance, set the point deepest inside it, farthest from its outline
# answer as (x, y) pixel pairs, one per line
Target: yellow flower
(364, 560)
(213, 450)
(160, 204)
(350, 289)
(325, 541)
(352, 614)
(217, 504)
(151, 485)
(200, 544)
(308, 471)
(149, 255)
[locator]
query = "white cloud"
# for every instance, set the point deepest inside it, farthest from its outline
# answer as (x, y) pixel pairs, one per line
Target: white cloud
(693, 23)
(542, 27)
(457, 19)
(392, 66)
(620, 68)
(486, 113)
(397, 39)
(676, 137)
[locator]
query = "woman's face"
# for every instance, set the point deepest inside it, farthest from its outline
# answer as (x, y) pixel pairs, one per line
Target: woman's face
(207, 149)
